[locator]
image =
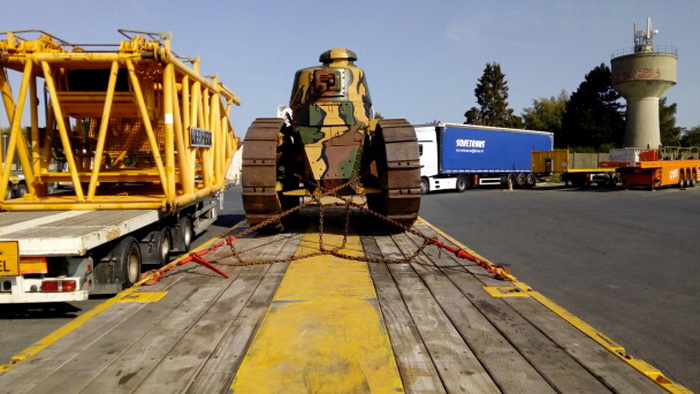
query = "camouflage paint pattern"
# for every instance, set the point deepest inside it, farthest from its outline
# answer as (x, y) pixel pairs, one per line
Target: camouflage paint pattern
(331, 112)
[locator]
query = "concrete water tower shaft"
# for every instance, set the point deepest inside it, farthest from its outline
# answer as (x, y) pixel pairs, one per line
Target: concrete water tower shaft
(642, 75)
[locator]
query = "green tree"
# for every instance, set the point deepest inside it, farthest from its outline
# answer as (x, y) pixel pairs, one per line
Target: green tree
(546, 113)
(691, 137)
(670, 133)
(593, 116)
(492, 96)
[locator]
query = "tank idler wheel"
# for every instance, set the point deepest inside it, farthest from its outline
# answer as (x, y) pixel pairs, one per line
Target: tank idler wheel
(259, 175)
(395, 149)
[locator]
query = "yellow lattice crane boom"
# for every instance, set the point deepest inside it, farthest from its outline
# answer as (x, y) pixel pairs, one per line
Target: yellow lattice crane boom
(128, 126)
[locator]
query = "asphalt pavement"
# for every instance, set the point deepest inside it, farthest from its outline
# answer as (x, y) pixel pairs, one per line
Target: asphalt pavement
(625, 261)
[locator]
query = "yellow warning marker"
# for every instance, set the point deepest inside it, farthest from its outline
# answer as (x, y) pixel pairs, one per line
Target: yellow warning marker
(143, 296)
(323, 330)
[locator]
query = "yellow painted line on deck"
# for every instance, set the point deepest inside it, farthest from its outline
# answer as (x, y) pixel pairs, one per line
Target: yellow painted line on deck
(649, 370)
(71, 326)
(323, 330)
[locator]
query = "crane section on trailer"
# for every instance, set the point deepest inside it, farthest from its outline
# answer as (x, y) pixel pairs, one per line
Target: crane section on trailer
(128, 128)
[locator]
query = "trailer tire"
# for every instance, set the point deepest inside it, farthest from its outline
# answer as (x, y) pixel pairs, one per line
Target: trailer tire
(9, 194)
(184, 234)
(521, 180)
(462, 184)
(21, 190)
(424, 186)
(681, 181)
(165, 245)
(128, 256)
(692, 180)
(531, 181)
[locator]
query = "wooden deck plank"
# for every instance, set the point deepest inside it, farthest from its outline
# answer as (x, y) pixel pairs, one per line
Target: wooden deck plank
(459, 368)
(551, 361)
(182, 364)
(607, 367)
(24, 376)
(506, 366)
(613, 372)
(131, 336)
(218, 371)
(415, 365)
(129, 367)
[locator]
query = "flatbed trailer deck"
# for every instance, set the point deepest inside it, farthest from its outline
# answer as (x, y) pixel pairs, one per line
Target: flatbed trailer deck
(437, 324)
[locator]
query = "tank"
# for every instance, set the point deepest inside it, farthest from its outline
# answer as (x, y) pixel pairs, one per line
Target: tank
(329, 141)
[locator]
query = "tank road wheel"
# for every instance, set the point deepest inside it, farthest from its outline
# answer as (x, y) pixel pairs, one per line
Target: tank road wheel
(395, 147)
(259, 175)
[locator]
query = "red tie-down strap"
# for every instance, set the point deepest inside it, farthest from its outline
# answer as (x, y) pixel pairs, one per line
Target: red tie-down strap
(197, 257)
(499, 272)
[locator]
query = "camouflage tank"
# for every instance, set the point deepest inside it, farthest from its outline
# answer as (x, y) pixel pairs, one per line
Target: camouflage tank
(326, 138)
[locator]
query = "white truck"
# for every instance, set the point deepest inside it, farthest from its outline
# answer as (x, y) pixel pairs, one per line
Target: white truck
(456, 156)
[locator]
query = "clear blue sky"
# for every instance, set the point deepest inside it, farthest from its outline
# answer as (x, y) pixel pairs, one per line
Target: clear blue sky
(422, 58)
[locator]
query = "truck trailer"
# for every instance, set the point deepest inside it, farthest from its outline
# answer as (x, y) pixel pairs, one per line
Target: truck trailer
(577, 169)
(458, 156)
(654, 168)
(145, 143)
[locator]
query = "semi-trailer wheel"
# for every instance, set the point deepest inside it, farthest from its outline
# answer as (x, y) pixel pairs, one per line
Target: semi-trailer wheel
(531, 181)
(692, 180)
(165, 243)
(9, 194)
(128, 257)
(184, 234)
(681, 181)
(521, 179)
(21, 190)
(424, 186)
(462, 184)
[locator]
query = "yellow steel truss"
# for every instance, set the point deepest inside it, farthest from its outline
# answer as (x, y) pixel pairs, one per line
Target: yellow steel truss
(124, 120)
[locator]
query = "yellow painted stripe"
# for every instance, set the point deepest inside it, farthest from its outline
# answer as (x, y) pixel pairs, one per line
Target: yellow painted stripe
(323, 330)
(650, 371)
(87, 316)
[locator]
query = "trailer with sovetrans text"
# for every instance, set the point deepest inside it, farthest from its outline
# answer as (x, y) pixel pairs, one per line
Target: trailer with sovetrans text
(458, 156)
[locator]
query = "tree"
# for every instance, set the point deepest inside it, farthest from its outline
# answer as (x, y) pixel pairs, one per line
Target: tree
(691, 137)
(670, 133)
(593, 116)
(492, 96)
(546, 113)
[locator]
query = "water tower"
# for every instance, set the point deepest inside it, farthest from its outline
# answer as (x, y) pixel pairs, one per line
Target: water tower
(641, 76)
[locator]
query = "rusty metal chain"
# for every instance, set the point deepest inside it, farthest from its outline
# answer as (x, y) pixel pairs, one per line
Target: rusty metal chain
(347, 204)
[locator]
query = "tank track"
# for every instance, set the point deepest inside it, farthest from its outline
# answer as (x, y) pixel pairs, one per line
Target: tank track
(259, 174)
(399, 171)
